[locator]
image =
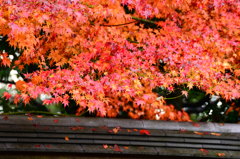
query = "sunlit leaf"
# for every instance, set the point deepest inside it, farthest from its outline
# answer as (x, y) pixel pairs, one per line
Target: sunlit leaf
(105, 146)
(185, 93)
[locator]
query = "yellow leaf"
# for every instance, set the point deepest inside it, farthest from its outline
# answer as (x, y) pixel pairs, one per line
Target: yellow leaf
(190, 85)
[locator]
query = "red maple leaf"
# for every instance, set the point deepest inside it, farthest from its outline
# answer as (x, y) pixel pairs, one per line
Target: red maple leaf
(7, 95)
(74, 128)
(204, 151)
(103, 127)
(46, 128)
(195, 124)
(5, 118)
(35, 125)
(94, 129)
(37, 145)
(183, 130)
(77, 120)
(117, 148)
(144, 132)
(55, 120)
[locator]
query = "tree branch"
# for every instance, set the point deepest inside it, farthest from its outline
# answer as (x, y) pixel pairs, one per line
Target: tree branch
(119, 24)
(136, 20)
(143, 20)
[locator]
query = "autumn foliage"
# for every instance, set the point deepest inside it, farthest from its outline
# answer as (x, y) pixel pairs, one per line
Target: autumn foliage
(109, 55)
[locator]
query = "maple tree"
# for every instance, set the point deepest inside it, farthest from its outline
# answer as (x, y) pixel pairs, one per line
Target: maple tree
(108, 56)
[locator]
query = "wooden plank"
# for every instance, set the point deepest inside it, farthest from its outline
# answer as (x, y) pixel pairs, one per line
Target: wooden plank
(123, 123)
(87, 135)
(119, 136)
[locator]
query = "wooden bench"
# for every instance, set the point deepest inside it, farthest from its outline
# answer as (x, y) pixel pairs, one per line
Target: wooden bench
(72, 137)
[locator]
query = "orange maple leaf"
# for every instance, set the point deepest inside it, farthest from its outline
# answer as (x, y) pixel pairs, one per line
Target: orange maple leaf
(221, 154)
(20, 85)
(30, 118)
(5, 60)
(216, 134)
(198, 133)
(115, 130)
(66, 138)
